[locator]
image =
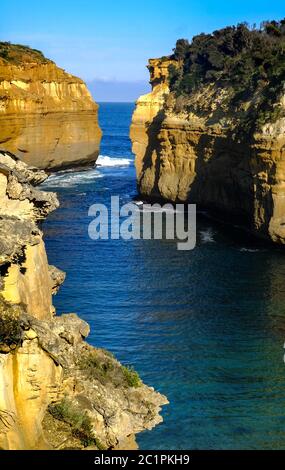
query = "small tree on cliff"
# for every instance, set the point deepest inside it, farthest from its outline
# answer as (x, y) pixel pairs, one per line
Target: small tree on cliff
(181, 49)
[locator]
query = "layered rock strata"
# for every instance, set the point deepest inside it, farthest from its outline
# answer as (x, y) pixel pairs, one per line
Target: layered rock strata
(47, 116)
(205, 154)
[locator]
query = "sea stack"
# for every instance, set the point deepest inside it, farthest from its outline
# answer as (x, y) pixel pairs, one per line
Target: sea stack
(47, 116)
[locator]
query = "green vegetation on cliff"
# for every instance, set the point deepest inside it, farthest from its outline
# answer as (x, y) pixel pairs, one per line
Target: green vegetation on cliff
(248, 61)
(237, 55)
(79, 421)
(101, 365)
(17, 54)
(10, 328)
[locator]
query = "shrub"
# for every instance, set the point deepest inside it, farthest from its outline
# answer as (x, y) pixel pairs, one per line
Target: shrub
(98, 365)
(10, 326)
(181, 48)
(248, 61)
(131, 376)
(227, 51)
(19, 53)
(80, 423)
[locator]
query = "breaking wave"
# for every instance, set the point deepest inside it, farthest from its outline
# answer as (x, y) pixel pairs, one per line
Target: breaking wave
(70, 178)
(104, 160)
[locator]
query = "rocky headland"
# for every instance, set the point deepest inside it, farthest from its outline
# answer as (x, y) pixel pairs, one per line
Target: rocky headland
(56, 391)
(212, 131)
(47, 116)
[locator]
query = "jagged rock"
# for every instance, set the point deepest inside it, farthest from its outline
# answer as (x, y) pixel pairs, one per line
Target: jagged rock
(57, 278)
(17, 195)
(15, 234)
(44, 359)
(26, 278)
(54, 363)
(33, 175)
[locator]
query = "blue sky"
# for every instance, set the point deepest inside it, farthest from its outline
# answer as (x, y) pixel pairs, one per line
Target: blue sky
(111, 41)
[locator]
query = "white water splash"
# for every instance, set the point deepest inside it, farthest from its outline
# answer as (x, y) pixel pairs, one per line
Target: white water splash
(104, 160)
(71, 178)
(207, 236)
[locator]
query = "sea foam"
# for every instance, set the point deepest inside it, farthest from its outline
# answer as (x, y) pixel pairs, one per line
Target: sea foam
(105, 160)
(70, 178)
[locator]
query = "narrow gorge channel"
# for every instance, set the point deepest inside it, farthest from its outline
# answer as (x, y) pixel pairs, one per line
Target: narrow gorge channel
(205, 328)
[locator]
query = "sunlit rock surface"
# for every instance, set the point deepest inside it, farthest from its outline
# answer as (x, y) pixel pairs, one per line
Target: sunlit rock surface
(47, 116)
(205, 157)
(56, 391)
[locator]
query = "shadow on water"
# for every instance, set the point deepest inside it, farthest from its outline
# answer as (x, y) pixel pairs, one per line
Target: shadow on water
(224, 184)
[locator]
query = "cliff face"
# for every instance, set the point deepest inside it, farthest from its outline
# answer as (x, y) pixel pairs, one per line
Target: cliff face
(46, 115)
(56, 391)
(204, 153)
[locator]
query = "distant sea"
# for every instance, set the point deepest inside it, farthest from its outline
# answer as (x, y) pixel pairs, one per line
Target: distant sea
(205, 327)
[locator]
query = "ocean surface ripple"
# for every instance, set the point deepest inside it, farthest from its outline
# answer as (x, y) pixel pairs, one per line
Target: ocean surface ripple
(204, 327)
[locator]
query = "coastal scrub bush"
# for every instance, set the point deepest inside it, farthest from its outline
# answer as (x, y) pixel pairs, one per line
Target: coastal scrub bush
(80, 423)
(10, 327)
(181, 48)
(131, 376)
(246, 60)
(19, 53)
(96, 365)
(99, 365)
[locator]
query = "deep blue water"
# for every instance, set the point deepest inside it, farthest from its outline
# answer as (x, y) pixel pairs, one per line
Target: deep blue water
(205, 327)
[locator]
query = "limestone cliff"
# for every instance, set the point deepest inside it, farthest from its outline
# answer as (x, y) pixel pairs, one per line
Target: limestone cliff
(47, 116)
(212, 141)
(56, 391)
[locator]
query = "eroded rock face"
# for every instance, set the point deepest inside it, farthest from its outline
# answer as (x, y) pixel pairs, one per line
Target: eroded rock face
(44, 359)
(206, 157)
(47, 116)
(25, 273)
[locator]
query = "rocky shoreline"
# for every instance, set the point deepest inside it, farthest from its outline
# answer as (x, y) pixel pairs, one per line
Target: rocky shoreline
(56, 391)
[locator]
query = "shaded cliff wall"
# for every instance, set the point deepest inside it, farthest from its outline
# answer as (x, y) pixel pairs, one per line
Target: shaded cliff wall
(205, 156)
(56, 391)
(46, 115)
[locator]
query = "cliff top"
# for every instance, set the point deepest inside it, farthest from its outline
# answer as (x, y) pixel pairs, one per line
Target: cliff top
(17, 54)
(241, 68)
(241, 56)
